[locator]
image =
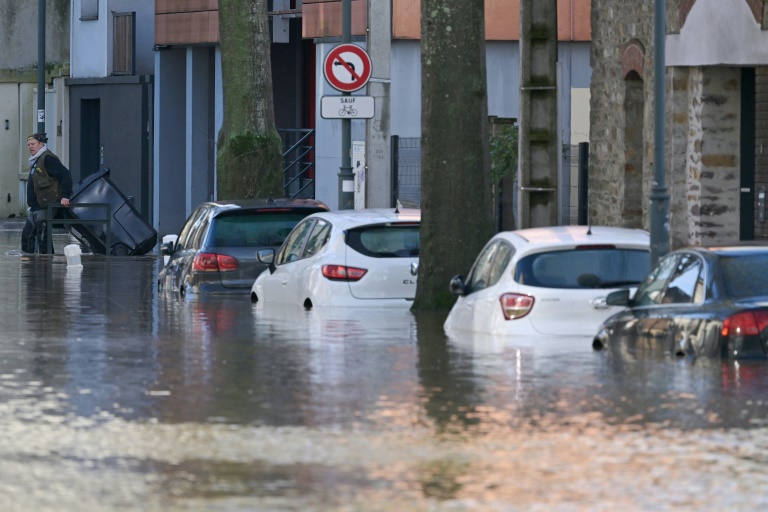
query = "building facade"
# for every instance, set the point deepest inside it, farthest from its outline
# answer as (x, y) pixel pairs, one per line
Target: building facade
(18, 92)
(188, 106)
(716, 91)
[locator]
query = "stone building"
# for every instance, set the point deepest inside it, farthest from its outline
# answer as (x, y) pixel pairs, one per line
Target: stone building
(716, 111)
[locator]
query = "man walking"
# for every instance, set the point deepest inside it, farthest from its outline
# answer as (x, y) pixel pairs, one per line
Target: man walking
(49, 183)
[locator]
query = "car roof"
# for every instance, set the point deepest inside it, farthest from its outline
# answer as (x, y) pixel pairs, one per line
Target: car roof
(265, 203)
(730, 250)
(351, 218)
(563, 237)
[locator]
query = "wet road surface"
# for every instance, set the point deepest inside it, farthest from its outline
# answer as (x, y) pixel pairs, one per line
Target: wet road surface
(115, 398)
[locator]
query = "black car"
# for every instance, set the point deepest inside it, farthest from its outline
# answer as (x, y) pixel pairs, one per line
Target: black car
(696, 301)
(216, 249)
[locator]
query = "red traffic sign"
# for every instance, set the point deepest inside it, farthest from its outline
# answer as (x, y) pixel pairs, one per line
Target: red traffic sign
(347, 67)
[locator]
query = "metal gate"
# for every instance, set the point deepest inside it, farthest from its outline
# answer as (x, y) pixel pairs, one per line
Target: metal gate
(406, 171)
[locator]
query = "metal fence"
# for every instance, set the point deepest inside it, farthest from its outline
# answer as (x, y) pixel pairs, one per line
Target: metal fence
(298, 162)
(406, 170)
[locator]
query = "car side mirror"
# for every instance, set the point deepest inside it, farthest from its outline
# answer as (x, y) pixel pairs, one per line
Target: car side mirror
(267, 257)
(618, 298)
(457, 286)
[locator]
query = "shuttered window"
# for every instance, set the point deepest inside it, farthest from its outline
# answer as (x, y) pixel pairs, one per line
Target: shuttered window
(124, 44)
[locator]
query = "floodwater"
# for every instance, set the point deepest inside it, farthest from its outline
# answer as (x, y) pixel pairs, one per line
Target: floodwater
(115, 398)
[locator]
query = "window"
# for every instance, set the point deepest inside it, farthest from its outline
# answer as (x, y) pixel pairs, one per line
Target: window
(385, 241)
(124, 43)
(249, 228)
(686, 284)
(187, 231)
(489, 266)
(89, 10)
(744, 275)
(589, 267)
(317, 238)
(650, 290)
(294, 244)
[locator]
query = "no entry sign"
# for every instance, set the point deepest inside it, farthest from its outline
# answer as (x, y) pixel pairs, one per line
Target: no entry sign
(347, 67)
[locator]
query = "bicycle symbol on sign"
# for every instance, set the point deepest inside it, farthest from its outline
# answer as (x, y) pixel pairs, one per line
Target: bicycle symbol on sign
(348, 110)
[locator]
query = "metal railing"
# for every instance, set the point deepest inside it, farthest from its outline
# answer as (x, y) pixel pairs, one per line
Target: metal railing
(298, 162)
(107, 221)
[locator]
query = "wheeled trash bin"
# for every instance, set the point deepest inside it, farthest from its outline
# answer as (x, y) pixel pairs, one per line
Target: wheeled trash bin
(129, 233)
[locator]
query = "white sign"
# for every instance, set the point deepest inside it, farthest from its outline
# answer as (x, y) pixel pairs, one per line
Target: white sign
(346, 107)
(41, 116)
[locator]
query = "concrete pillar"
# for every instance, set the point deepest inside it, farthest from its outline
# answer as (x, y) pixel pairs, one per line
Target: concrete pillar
(197, 147)
(377, 146)
(539, 138)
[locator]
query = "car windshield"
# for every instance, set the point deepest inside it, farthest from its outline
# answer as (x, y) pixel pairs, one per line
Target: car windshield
(583, 268)
(744, 275)
(385, 241)
(254, 228)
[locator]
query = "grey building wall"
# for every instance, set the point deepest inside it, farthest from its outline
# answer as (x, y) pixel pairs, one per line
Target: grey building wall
(18, 34)
(124, 138)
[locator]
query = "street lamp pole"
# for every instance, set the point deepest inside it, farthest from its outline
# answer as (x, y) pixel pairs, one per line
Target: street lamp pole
(41, 66)
(659, 207)
(346, 176)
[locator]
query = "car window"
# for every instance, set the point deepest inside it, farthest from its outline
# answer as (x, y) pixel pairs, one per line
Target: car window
(187, 230)
(686, 285)
(589, 267)
(489, 266)
(197, 235)
(650, 290)
(251, 228)
(385, 241)
(317, 238)
(744, 275)
(293, 245)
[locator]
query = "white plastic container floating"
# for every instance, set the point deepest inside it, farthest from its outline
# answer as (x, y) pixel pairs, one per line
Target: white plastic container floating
(72, 252)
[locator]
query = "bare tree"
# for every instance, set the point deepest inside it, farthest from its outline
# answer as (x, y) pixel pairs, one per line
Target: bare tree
(455, 170)
(249, 147)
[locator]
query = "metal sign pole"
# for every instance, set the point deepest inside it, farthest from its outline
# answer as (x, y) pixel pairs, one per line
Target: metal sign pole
(41, 66)
(346, 177)
(659, 211)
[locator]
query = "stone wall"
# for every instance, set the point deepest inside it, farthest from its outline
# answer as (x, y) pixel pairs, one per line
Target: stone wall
(704, 138)
(615, 25)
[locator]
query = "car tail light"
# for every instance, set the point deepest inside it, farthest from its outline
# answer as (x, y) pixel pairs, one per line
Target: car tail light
(515, 306)
(343, 273)
(746, 323)
(210, 262)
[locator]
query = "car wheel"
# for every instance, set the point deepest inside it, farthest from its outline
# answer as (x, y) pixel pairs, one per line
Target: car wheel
(307, 304)
(254, 298)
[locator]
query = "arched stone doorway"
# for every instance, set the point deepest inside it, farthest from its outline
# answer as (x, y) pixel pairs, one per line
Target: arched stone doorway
(633, 57)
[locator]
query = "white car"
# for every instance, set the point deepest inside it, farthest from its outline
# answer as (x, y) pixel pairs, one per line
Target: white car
(549, 281)
(344, 258)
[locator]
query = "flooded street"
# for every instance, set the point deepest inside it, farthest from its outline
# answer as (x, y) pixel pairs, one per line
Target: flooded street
(112, 397)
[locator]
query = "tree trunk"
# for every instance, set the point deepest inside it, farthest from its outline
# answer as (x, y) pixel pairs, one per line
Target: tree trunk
(455, 171)
(249, 161)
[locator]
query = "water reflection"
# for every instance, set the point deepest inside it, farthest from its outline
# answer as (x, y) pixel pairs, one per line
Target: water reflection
(118, 397)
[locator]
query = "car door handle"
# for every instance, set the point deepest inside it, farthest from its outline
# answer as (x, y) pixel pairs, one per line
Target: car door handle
(599, 303)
